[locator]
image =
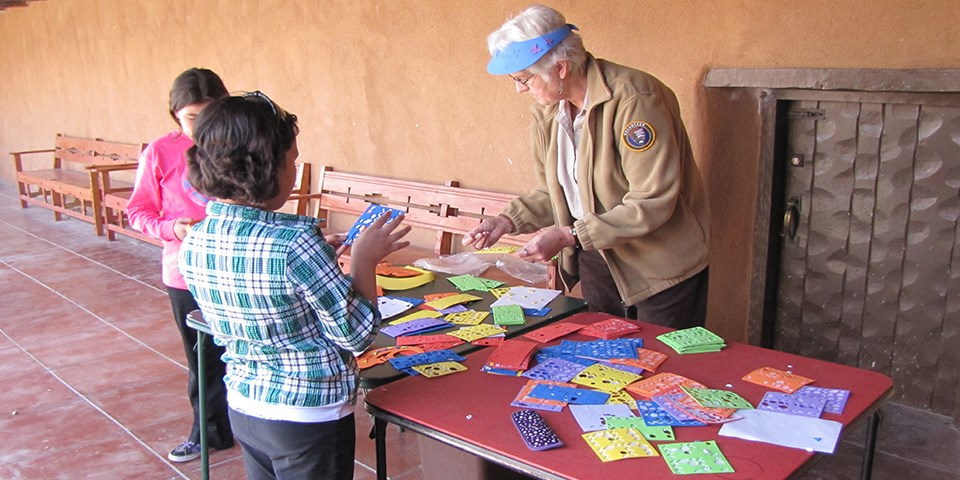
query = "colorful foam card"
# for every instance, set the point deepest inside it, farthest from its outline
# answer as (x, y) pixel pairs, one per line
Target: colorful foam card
(690, 408)
(391, 307)
(692, 340)
(714, 398)
(649, 360)
(594, 417)
(662, 383)
(556, 369)
(382, 355)
(419, 325)
(687, 458)
(469, 282)
(836, 398)
(371, 214)
(415, 315)
(439, 369)
(488, 341)
(425, 339)
(524, 400)
(777, 379)
(654, 415)
(513, 354)
(604, 378)
(622, 397)
(793, 403)
(387, 270)
(610, 328)
(404, 283)
(424, 358)
(476, 332)
(618, 444)
(654, 434)
(468, 317)
(602, 349)
(508, 315)
(449, 301)
(552, 332)
(575, 396)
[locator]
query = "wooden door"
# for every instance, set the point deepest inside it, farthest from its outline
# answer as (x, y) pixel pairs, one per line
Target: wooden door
(869, 267)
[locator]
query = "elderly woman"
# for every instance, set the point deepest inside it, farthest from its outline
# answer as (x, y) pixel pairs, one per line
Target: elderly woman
(620, 197)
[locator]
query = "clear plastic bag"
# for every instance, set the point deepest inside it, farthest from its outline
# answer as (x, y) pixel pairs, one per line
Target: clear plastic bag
(475, 264)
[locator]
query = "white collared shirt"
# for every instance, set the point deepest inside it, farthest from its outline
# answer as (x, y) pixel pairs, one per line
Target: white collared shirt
(568, 143)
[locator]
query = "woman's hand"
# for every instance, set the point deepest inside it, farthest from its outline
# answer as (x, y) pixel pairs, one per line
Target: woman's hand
(181, 227)
(488, 233)
(379, 239)
(546, 244)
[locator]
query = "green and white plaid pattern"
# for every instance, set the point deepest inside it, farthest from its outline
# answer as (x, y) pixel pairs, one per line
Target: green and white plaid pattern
(274, 296)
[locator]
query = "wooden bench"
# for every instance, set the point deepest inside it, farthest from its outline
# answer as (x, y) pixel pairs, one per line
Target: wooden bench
(448, 210)
(71, 186)
(117, 194)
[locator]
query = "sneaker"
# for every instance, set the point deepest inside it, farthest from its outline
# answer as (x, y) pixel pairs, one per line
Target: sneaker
(185, 452)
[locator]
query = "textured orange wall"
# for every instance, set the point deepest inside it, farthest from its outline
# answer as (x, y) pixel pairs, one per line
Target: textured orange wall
(399, 88)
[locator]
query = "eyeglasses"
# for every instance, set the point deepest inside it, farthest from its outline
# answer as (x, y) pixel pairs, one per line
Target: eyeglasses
(522, 81)
(258, 95)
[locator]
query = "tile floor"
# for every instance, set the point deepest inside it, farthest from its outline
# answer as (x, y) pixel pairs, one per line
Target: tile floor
(92, 378)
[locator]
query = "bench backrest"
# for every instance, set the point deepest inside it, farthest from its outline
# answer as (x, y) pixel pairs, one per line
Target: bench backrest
(94, 152)
(448, 209)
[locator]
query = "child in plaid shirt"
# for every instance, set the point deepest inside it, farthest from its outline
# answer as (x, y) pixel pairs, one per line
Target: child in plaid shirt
(270, 288)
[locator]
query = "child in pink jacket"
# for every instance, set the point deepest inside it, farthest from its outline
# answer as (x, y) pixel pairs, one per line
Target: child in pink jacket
(164, 205)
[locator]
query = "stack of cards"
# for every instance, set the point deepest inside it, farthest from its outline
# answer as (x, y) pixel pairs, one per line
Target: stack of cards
(692, 340)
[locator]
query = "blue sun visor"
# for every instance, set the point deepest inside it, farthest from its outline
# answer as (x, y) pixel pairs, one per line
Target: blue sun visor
(520, 55)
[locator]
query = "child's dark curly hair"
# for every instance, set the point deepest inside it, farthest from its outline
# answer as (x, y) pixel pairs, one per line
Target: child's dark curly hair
(240, 148)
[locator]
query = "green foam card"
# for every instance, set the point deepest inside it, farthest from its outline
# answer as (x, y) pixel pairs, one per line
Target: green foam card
(713, 398)
(655, 434)
(508, 315)
(695, 457)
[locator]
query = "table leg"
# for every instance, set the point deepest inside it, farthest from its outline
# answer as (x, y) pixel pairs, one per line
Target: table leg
(380, 434)
(866, 470)
(202, 392)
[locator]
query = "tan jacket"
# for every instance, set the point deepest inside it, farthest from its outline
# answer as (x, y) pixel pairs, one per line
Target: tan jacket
(645, 211)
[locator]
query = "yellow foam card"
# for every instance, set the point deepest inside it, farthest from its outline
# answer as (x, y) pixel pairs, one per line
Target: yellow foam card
(470, 317)
(477, 332)
(416, 315)
(605, 378)
(439, 369)
(499, 292)
(619, 443)
(499, 249)
(405, 283)
(447, 302)
(623, 398)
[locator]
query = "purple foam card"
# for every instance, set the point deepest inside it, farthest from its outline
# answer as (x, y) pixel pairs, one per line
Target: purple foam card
(794, 404)
(577, 396)
(371, 214)
(654, 416)
(414, 326)
(836, 397)
(556, 369)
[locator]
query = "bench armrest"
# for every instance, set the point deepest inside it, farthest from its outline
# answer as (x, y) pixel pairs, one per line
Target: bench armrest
(113, 167)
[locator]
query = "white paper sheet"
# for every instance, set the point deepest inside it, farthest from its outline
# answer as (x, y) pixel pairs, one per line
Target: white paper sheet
(792, 431)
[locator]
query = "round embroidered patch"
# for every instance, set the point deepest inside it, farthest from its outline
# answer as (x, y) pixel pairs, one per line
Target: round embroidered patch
(638, 136)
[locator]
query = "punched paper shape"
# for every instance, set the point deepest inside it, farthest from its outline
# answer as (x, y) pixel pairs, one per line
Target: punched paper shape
(649, 360)
(604, 378)
(371, 214)
(793, 403)
(618, 444)
(777, 379)
(653, 415)
(469, 317)
(594, 417)
(714, 398)
(439, 369)
(836, 398)
(622, 398)
(527, 297)
(535, 431)
(575, 396)
(508, 315)
(655, 434)
(556, 369)
(391, 307)
(524, 400)
(695, 457)
(552, 332)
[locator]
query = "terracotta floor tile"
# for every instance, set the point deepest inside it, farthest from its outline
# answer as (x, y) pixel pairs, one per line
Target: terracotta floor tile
(147, 403)
(113, 457)
(118, 369)
(15, 363)
(27, 394)
(81, 348)
(63, 428)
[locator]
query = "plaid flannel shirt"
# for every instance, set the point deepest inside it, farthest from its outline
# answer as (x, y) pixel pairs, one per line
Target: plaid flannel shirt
(271, 290)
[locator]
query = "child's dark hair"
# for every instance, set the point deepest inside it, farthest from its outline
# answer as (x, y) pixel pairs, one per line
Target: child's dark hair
(196, 85)
(240, 148)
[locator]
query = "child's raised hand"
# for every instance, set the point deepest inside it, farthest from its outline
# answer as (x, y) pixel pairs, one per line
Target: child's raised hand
(379, 239)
